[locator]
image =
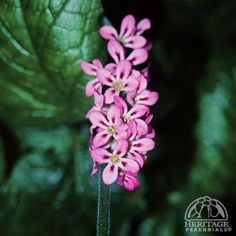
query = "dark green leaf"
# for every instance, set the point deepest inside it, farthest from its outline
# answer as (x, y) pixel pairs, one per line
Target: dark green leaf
(42, 44)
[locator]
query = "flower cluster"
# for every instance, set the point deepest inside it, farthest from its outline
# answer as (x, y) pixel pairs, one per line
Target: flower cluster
(121, 134)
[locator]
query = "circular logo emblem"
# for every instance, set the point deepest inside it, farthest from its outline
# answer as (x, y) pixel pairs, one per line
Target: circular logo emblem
(206, 208)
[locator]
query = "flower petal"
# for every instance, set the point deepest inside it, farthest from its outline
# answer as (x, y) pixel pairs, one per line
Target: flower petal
(147, 97)
(111, 67)
(105, 77)
(110, 94)
(98, 99)
(130, 85)
(142, 127)
(127, 26)
(121, 147)
(108, 32)
(91, 86)
(121, 104)
(143, 145)
(113, 114)
(88, 68)
(138, 56)
(120, 134)
(123, 69)
(116, 51)
(142, 83)
(132, 129)
(130, 98)
(110, 174)
(98, 119)
(129, 165)
(149, 118)
(101, 138)
(143, 25)
(137, 157)
(97, 63)
(135, 42)
(100, 155)
(137, 111)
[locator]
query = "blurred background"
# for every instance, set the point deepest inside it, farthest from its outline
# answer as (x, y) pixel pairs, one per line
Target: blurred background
(46, 188)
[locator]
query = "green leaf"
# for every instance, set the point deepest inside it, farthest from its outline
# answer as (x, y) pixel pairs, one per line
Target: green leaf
(42, 44)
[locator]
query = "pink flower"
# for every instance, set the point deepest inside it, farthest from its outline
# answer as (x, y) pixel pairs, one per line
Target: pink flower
(121, 134)
(117, 52)
(134, 113)
(112, 126)
(124, 80)
(128, 180)
(138, 147)
(142, 96)
(129, 34)
(92, 69)
(114, 161)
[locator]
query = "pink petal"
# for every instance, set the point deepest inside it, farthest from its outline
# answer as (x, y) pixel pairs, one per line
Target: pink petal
(147, 97)
(130, 85)
(97, 63)
(123, 69)
(94, 169)
(91, 86)
(135, 42)
(110, 94)
(98, 99)
(100, 155)
(143, 25)
(127, 26)
(142, 83)
(132, 129)
(108, 32)
(151, 133)
(121, 104)
(137, 111)
(137, 157)
(110, 174)
(120, 134)
(129, 165)
(101, 138)
(130, 98)
(143, 145)
(149, 119)
(142, 127)
(116, 51)
(98, 119)
(121, 147)
(105, 77)
(113, 114)
(138, 56)
(88, 68)
(111, 67)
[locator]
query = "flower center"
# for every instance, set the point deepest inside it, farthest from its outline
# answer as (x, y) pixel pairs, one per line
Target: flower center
(115, 159)
(118, 86)
(111, 129)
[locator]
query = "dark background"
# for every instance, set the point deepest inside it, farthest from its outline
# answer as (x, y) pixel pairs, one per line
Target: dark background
(45, 191)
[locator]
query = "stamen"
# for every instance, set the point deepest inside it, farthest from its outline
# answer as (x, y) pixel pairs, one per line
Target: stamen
(111, 129)
(118, 86)
(115, 159)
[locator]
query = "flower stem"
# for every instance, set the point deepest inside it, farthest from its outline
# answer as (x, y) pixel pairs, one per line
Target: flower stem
(103, 206)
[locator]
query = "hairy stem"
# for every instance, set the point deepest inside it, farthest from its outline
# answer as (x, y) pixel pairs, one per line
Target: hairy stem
(103, 206)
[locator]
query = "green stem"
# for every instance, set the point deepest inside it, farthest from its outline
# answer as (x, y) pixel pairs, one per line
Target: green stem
(103, 206)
